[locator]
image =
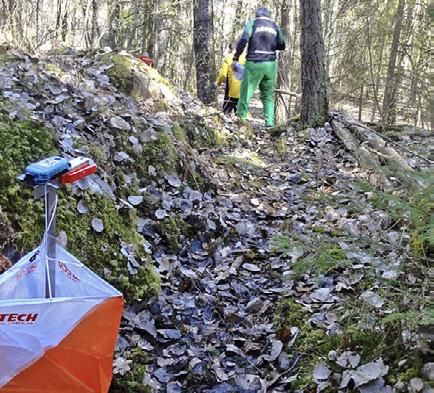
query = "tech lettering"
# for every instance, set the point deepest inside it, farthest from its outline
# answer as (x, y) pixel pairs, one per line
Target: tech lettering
(16, 318)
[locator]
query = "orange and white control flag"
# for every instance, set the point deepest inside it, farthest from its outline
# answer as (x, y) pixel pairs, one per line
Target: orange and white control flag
(62, 344)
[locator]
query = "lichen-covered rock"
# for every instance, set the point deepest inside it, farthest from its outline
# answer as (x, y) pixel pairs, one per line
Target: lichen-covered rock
(135, 78)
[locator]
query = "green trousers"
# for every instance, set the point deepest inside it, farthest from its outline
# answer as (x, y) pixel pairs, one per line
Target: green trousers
(262, 74)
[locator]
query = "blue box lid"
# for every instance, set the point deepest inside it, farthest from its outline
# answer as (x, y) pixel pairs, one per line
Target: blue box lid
(47, 169)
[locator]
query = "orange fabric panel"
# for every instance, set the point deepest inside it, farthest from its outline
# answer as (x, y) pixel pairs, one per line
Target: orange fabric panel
(81, 363)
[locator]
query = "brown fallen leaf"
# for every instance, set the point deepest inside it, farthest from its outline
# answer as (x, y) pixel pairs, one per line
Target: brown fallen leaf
(5, 263)
(284, 335)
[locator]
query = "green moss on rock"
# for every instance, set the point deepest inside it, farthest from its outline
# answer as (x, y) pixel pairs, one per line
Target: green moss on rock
(135, 78)
(289, 314)
(171, 228)
(160, 153)
(102, 251)
(196, 133)
(54, 69)
(324, 257)
(4, 58)
(120, 74)
(132, 381)
(20, 144)
(409, 370)
(178, 130)
(24, 142)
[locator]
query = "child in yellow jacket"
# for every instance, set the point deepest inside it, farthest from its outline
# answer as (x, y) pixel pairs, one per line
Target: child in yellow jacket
(226, 74)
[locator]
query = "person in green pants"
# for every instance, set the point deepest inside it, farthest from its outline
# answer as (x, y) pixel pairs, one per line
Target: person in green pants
(263, 37)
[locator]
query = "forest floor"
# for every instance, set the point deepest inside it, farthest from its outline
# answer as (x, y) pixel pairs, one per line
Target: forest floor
(282, 269)
(303, 288)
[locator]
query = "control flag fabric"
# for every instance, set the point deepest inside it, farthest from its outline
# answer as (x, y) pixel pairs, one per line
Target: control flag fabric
(64, 344)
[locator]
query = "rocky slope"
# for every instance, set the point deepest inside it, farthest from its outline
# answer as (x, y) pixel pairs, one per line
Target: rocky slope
(74, 105)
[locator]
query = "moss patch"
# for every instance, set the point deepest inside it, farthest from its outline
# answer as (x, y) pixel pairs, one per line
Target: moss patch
(363, 330)
(20, 144)
(24, 142)
(102, 251)
(244, 158)
(171, 228)
(323, 256)
(160, 153)
(314, 345)
(120, 74)
(132, 381)
(289, 313)
(196, 133)
(5, 58)
(135, 78)
(54, 69)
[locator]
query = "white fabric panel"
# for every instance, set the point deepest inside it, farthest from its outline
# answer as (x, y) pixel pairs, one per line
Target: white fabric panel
(28, 330)
(73, 278)
(26, 279)
(30, 324)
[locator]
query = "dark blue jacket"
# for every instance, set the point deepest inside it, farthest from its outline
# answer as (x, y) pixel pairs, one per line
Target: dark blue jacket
(263, 37)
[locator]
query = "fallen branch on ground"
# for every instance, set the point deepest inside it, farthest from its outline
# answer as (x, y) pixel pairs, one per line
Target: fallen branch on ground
(374, 153)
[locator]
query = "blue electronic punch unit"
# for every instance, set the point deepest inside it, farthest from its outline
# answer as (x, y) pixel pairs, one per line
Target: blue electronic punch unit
(42, 171)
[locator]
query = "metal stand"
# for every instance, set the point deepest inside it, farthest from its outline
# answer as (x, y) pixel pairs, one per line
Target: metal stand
(50, 192)
(59, 171)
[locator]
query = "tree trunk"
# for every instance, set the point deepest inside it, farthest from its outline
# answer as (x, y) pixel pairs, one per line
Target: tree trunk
(189, 71)
(94, 38)
(389, 100)
(223, 44)
(314, 100)
(293, 47)
(62, 20)
(360, 103)
(431, 106)
(375, 73)
(328, 33)
(202, 33)
(237, 21)
(283, 82)
(38, 9)
(65, 23)
(155, 22)
(132, 34)
(114, 15)
(11, 17)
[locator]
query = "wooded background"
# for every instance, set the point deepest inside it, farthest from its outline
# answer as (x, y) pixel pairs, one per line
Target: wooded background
(376, 56)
